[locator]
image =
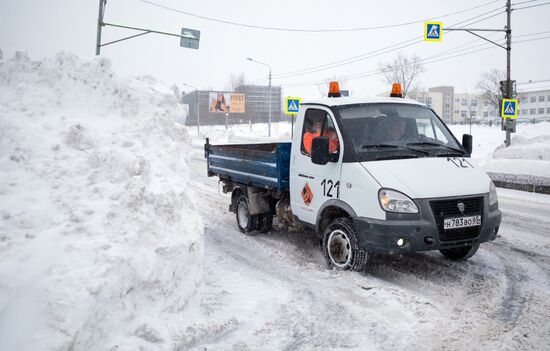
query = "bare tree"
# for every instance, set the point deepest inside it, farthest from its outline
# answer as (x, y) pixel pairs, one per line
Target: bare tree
(403, 69)
(235, 80)
(490, 87)
(323, 87)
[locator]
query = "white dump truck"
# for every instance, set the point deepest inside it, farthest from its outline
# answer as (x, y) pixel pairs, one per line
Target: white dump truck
(366, 175)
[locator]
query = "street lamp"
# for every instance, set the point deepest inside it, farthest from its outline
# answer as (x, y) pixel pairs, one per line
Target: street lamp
(198, 106)
(269, 118)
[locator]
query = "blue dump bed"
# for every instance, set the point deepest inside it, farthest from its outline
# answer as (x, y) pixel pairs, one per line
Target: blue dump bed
(261, 165)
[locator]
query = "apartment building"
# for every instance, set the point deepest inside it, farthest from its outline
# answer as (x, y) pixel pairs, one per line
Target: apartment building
(447, 101)
(534, 99)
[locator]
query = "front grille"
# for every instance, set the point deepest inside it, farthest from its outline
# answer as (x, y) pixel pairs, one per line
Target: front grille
(443, 209)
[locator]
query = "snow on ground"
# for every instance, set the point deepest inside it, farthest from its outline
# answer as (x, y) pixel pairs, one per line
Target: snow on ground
(100, 244)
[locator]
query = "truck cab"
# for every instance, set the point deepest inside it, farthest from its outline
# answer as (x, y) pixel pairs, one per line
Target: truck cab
(381, 175)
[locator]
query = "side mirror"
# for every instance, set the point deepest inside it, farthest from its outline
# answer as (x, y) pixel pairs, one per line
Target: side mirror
(467, 141)
(319, 150)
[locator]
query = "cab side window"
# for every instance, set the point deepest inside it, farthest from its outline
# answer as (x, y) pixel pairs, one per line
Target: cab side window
(317, 123)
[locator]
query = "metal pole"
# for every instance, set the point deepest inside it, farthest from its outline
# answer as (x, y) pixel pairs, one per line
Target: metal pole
(99, 25)
(508, 64)
(269, 118)
(198, 113)
(292, 127)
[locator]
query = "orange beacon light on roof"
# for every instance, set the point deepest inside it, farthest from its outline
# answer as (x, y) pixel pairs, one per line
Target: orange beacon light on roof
(334, 90)
(396, 90)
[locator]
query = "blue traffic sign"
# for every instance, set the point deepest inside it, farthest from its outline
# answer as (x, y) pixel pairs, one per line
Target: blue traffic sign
(292, 105)
(432, 31)
(509, 108)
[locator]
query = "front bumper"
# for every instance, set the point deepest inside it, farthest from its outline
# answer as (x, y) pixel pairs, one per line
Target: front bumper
(420, 232)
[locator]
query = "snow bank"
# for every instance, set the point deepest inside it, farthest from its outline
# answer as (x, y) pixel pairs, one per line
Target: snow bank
(100, 244)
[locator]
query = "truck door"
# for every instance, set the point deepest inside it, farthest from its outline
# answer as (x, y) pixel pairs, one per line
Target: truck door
(310, 184)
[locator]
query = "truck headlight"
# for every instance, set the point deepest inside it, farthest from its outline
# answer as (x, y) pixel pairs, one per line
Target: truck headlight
(394, 201)
(493, 198)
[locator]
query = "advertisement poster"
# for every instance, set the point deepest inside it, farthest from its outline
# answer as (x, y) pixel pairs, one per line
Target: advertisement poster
(225, 102)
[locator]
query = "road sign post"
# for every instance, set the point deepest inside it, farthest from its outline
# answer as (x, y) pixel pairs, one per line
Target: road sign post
(292, 106)
(433, 31)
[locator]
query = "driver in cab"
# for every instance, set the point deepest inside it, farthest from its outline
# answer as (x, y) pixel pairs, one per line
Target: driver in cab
(314, 130)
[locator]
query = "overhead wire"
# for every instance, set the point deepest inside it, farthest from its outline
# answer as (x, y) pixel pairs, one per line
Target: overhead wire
(423, 61)
(383, 51)
(318, 30)
(530, 6)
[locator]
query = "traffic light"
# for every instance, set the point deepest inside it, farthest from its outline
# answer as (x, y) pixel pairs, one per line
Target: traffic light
(503, 90)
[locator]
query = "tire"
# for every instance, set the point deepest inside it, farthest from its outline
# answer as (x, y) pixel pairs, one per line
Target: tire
(245, 221)
(460, 253)
(341, 247)
(264, 222)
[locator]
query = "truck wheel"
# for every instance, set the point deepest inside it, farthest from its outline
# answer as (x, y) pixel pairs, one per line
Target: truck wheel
(341, 247)
(245, 221)
(460, 253)
(264, 222)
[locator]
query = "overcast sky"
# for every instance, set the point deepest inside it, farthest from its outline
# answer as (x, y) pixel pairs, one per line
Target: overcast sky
(44, 27)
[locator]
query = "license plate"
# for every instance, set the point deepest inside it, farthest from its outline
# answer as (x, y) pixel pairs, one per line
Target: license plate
(461, 222)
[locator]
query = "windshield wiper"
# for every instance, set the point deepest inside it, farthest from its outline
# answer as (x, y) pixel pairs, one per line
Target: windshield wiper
(394, 146)
(436, 144)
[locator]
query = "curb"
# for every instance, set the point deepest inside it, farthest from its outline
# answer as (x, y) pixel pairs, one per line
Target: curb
(524, 182)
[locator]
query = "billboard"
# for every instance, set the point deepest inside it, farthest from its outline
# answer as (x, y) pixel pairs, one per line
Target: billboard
(219, 102)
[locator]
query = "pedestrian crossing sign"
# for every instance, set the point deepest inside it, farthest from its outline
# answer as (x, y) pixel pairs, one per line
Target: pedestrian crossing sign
(509, 108)
(292, 105)
(433, 31)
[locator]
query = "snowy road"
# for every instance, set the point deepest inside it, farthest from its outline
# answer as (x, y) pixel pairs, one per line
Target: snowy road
(274, 292)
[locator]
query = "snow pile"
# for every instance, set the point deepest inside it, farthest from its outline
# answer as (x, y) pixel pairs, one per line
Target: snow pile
(528, 154)
(100, 244)
(537, 148)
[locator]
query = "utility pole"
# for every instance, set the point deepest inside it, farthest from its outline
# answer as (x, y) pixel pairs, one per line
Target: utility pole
(100, 25)
(509, 92)
(508, 124)
(269, 89)
(188, 39)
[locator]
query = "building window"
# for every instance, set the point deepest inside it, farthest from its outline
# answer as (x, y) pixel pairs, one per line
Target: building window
(457, 112)
(533, 99)
(474, 102)
(464, 102)
(463, 114)
(447, 94)
(429, 101)
(548, 98)
(548, 110)
(448, 99)
(472, 113)
(533, 111)
(457, 100)
(447, 106)
(541, 98)
(541, 111)
(447, 112)
(524, 111)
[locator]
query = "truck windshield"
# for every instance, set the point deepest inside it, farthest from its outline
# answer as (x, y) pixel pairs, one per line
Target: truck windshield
(410, 130)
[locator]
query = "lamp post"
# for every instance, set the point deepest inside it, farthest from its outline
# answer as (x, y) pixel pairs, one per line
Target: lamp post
(269, 90)
(198, 107)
